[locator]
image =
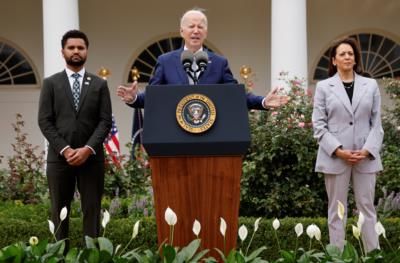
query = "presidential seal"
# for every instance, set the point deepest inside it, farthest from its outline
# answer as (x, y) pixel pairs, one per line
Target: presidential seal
(195, 113)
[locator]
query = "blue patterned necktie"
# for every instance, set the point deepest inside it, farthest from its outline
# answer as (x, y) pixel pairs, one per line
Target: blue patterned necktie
(76, 90)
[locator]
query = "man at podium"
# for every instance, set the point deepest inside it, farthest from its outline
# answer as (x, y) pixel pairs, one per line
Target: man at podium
(193, 64)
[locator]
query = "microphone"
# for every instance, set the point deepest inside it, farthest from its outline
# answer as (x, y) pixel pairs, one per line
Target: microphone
(201, 61)
(187, 60)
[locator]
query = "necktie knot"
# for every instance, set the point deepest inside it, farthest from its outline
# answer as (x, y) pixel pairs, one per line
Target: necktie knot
(76, 76)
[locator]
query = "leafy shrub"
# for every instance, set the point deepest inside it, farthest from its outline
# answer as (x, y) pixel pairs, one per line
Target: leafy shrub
(278, 172)
(389, 179)
(130, 178)
(25, 180)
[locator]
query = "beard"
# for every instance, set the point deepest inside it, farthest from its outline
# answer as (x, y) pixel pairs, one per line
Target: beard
(74, 62)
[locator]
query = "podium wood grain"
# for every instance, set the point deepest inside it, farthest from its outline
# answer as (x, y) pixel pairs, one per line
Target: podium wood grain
(202, 188)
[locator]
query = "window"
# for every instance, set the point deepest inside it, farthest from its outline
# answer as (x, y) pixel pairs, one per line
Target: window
(146, 60)
(14, 67)
(380, 57)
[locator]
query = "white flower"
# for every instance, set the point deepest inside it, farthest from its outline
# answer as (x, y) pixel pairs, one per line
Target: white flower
(379, 229)
(313, 231)
(356, 232)
(222, 226)
(33, 241)
(196, 227)
(317, 233)
(340, 210)
(106, 218)
(51, 226)
(298, 229)
(170, 217)
(276, 224)
(243, 232)
(256, 224)
(135, 229)
(117, 249)
(63, 213)
(360, 221)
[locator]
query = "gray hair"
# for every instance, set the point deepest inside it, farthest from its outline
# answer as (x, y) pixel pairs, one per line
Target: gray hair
(196, 10)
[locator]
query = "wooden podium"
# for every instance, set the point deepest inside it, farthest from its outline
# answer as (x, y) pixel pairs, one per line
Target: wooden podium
(197, 175)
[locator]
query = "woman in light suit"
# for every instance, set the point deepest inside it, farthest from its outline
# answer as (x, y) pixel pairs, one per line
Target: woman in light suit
(347, 124)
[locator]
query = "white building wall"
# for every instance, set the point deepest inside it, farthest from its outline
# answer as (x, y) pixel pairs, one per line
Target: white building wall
(119, 30)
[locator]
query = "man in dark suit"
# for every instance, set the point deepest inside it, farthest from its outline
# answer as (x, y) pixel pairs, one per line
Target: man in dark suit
(169, 69)
(75, 117)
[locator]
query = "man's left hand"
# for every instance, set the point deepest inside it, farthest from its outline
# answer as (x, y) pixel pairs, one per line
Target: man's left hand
(274, 100)
(79, 156)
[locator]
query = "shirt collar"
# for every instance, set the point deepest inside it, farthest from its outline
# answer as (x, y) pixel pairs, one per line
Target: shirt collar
(70, 72)
(200, 49)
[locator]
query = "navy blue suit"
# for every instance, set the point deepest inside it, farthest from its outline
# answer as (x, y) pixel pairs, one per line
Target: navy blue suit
(169, 71)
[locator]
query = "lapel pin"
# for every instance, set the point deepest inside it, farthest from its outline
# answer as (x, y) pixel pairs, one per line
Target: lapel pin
(88, 78)
(86, 82)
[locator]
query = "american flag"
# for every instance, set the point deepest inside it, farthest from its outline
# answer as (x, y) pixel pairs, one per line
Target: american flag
(111, 143)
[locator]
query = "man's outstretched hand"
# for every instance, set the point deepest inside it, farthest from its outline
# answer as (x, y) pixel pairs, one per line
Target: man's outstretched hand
(128, 94)
(274, 100)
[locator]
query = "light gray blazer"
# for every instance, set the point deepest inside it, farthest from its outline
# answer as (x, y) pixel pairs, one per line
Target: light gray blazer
(354, 126)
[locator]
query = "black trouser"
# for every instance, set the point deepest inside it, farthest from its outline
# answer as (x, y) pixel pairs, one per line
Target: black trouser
(89, 179)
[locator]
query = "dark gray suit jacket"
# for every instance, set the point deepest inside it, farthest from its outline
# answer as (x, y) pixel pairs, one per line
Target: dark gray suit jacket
(62, 125)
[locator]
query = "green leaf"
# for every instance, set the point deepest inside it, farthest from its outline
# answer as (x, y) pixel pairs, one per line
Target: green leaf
(89, 255)
(90, 242)
(349, 253)
(56, 248)
(188, 252)
(288, 256)
(333, 251)
(169, 253)
(72, 255)
(40, 248)
(221, 254)
(12, 252)
(106, 245)
(200, 255)
(255, 253)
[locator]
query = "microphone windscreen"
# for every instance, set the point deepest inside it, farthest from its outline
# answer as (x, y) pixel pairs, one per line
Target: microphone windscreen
(201, 56)
(186, 57)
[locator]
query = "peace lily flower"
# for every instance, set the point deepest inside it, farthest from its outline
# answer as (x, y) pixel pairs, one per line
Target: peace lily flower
(63, 213)
(196, 227)
(51, 226)
(379, 229)
(33, 241)
(276, 224)
(135, 229)
(312, 231)
(356, 232)
(106, 218)
(170, 217)
(243, 232)
(222, 227)
(360, 221)
(317, 233)
(299, 229)
(256, 224)
(340, 210)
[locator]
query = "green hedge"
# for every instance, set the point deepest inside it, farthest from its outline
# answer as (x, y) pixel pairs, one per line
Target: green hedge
(119, 232)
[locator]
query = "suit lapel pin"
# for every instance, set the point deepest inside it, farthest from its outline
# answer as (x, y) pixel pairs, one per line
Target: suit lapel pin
(87, 83)
(89, 78)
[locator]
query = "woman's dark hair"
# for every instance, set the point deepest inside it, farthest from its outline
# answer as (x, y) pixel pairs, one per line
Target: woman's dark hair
(357, 55)
(74, 34)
